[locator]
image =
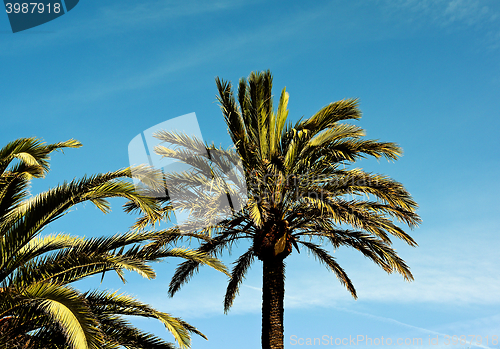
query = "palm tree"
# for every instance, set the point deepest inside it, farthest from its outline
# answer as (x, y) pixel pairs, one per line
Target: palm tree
(38, 306)
(300, 192)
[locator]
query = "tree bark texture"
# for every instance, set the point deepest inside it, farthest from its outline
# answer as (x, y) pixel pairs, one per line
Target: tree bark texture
(273, 294)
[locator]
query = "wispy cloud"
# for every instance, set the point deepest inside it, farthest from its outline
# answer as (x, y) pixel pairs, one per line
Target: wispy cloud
(446, 12)
(480, 15)
(204, 300)
(455, 277)
(135, 14)
(444, 333)
(114, 19)
(172, 62)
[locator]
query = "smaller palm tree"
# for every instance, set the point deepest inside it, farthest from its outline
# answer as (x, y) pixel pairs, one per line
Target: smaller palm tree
(38, 307)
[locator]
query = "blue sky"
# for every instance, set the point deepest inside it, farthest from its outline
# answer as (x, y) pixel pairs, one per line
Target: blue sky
(427, 73)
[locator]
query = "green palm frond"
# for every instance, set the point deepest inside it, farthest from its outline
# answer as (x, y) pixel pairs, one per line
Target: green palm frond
(120, 333)
(325, 258)
(371, 247)
(213, 247)
(112, 304)
(241, 266)
(32, 152)
(346, 109)
(67, 308)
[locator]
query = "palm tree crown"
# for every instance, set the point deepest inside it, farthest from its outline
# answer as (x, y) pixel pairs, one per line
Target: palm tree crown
(38, 307)
(300, 192)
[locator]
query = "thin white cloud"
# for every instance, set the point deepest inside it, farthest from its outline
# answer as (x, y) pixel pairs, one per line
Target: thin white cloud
(173, 62)
(446, 12)
(457, 278)
(480, 328)
(133, 14)
(203, 299)
(443, 333)
(114, 19)
(479, 15)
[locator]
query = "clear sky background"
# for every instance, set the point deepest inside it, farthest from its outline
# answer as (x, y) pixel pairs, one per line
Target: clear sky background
(427, 73)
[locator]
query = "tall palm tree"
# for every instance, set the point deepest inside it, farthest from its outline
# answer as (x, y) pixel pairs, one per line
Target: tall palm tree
(38, 306)
(300, 189)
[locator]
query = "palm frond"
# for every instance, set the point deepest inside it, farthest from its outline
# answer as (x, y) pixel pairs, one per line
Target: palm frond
(331, 264)
(65, 306)
(237, 275)
(32, 152)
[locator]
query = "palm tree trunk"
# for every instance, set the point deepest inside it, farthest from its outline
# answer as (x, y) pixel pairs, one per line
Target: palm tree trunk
(273, 294)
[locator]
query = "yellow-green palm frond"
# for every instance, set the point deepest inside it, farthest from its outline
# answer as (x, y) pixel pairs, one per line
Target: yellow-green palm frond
(197, 256)
(33, 153)
(330, 262)
(213, 247)
(346, 109)
(241, 266)
(113, 304)
(68, 309)
(33, 214)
